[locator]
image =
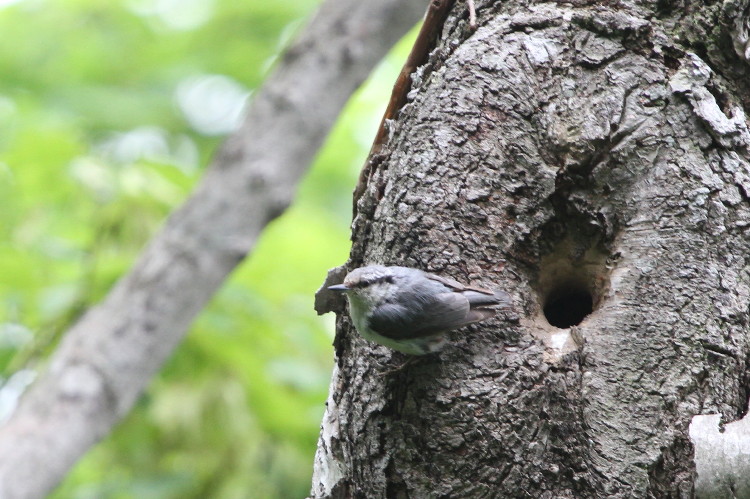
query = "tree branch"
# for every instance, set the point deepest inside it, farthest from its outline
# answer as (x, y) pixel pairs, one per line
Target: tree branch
(106, 359)
(722, 456)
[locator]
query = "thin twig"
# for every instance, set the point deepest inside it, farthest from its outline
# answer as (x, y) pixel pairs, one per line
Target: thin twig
(426, 40)
(472, 14)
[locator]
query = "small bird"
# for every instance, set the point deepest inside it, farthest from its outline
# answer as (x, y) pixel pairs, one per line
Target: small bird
(410, 310)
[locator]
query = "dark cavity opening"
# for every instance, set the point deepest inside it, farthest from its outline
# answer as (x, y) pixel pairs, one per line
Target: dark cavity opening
(568, 307)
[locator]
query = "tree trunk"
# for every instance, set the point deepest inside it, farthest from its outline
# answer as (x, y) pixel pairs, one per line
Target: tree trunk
(593, 162)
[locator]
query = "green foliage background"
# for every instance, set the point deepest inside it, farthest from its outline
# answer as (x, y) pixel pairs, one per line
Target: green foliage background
(97, 146)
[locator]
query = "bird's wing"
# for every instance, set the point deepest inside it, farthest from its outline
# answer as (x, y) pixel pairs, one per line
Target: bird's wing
(446, 311)
(455, 285)
(478, 297)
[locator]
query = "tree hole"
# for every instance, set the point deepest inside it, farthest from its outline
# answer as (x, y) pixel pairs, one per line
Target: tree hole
(572, 282)
(568, 306)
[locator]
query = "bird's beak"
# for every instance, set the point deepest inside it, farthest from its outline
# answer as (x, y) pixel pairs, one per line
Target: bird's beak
(339, 287)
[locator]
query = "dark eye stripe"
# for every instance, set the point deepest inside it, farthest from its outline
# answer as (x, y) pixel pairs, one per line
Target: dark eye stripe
(375, 280)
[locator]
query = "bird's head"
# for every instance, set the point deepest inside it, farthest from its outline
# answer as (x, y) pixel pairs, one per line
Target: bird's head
(372, 284)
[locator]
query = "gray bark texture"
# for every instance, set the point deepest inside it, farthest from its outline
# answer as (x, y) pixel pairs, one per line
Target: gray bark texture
(561, 151)
(106, 359)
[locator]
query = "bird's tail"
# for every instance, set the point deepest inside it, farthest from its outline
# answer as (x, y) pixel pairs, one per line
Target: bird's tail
(498, 299)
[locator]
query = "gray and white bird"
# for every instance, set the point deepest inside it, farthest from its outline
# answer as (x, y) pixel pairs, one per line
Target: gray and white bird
(410, 310)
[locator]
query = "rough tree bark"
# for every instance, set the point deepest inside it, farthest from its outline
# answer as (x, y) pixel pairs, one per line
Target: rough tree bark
(592, 159)
(107, 358)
